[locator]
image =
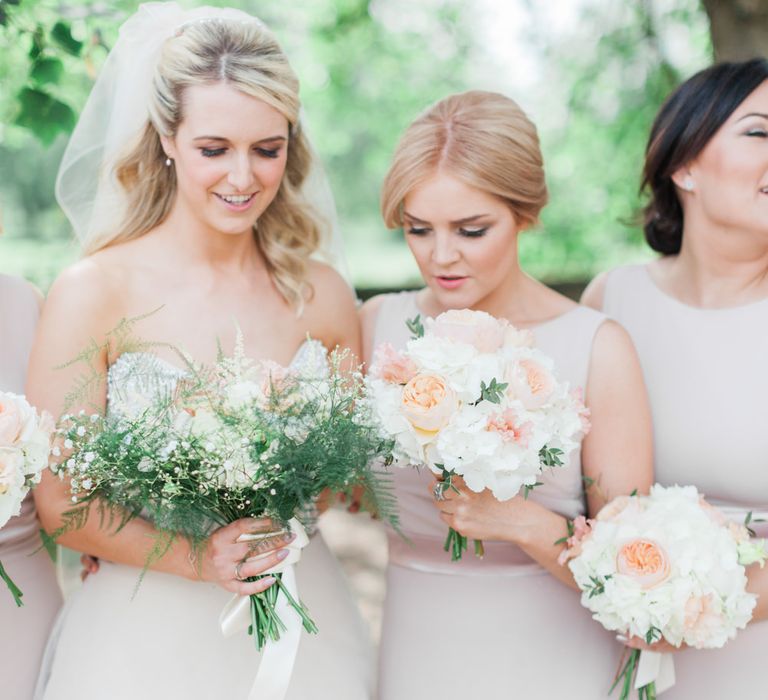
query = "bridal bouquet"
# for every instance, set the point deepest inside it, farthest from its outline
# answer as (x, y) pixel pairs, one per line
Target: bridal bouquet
(471, 396)
(234, 440)
(25, 443)
(664, 566)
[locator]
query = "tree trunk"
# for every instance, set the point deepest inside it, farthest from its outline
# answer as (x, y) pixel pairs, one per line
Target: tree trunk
(739, 28)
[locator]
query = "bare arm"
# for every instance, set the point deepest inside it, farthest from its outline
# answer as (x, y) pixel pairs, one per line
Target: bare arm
(616, 458)
(82, 308)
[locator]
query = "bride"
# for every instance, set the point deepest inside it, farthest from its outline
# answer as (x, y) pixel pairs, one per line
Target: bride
(184, 179)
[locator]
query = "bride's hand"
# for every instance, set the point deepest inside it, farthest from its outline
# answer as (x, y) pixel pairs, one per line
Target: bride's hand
(230, 563)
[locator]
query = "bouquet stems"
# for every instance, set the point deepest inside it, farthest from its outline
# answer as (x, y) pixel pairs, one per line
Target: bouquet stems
(12, 587)
(456, 544)
(265, 622)
(627, 674)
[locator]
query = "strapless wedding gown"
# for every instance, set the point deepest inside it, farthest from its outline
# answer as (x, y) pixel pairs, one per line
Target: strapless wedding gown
(501, 627)
(163, 642)
(23, 631)
(707, 381)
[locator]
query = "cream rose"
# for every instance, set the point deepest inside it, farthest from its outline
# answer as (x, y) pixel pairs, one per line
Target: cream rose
(477, 328)
(427, 402)
(17, 420)
(530, 382)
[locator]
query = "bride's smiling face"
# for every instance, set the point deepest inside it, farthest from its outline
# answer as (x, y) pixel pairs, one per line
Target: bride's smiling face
(464, 240)
(229, 153)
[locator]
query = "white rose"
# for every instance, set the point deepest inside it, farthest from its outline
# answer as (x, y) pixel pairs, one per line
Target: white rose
(17, 420)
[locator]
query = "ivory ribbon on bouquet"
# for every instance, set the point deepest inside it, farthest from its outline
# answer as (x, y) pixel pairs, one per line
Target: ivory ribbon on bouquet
(277, 658)
(654, 667)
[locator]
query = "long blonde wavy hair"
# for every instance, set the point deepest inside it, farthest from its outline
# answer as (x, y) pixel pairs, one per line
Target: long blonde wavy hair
(247, 57)
(482, 138)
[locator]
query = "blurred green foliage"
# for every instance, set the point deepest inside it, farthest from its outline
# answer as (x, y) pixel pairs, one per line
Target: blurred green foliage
(367, 68)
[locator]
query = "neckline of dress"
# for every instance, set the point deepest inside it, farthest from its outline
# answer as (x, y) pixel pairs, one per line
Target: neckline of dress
(180, 371)
(532, 328)
(694, 309)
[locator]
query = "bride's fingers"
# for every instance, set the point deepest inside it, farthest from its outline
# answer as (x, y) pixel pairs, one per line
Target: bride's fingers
(255, 587)
(251, 548)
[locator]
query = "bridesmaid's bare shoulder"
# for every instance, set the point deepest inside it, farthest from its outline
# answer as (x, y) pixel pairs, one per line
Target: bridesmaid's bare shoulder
(594, 294)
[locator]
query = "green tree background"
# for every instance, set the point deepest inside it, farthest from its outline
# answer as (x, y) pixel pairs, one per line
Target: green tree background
(590, 74)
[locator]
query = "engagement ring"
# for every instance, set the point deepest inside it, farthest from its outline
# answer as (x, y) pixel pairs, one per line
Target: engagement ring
(438, 492)
(238, 577)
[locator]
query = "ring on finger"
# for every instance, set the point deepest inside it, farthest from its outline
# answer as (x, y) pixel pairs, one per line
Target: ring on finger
(438, 492)
(238, 575)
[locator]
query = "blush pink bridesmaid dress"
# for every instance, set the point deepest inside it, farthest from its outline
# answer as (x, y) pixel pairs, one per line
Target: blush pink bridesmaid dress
(707, 376)
(23, 631)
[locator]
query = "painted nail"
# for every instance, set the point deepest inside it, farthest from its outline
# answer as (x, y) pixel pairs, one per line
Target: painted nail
(282, 554)
(268, 580)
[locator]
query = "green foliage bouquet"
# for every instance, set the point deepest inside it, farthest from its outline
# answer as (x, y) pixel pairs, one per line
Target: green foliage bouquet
(234, 440)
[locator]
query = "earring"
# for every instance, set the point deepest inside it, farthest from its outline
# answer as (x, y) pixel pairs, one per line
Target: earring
(688, 184)
(168, 162)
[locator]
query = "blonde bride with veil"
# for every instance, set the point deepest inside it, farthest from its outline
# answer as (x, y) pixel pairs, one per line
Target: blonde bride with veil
(187, 182)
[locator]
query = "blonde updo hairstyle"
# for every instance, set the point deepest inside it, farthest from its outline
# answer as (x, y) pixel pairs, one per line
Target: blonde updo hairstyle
(483, 139)
(246, 56)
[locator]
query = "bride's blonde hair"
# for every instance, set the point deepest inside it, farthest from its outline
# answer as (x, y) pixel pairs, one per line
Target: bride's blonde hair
(246, 56)
(482, 138)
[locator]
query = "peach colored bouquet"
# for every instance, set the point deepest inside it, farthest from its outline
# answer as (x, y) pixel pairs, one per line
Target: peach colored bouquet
(471, 396)
(25, 444)
(664, 566)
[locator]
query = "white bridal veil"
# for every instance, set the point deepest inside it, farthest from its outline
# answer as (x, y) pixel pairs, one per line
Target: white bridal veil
(115, 114)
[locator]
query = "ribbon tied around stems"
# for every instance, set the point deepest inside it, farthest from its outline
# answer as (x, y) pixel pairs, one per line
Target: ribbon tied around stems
(278, 656)
(654, 667)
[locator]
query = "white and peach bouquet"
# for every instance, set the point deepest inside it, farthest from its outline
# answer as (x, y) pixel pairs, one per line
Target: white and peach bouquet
(472, 396)
(25, 445)
(232, 440)
(665, 566)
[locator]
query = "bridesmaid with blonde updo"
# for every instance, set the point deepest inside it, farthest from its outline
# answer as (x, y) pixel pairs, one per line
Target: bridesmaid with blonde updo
(466, 180)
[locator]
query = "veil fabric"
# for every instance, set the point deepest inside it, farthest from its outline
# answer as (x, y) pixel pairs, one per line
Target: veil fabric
(115, 115)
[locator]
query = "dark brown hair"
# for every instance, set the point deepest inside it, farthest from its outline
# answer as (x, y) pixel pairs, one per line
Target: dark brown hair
(686, 123)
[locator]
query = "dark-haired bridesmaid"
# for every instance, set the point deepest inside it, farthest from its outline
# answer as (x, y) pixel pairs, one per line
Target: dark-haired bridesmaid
(698, 316)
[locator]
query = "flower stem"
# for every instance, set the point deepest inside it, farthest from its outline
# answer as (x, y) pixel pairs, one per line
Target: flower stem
(12, 587)
(265, 622)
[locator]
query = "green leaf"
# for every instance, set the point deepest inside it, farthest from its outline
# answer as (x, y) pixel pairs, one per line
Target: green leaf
(62, 35)
(493, 393)
(527, 488)
(652, 635)
(46, 70)
(634, 492)
(551, 456)
(49, 544)
(44, 115)
(38, 42)
(415, 326)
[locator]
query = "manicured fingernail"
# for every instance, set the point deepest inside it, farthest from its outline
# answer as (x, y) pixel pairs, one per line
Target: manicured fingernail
(282, 554)
(268, 580)
(621, 638)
